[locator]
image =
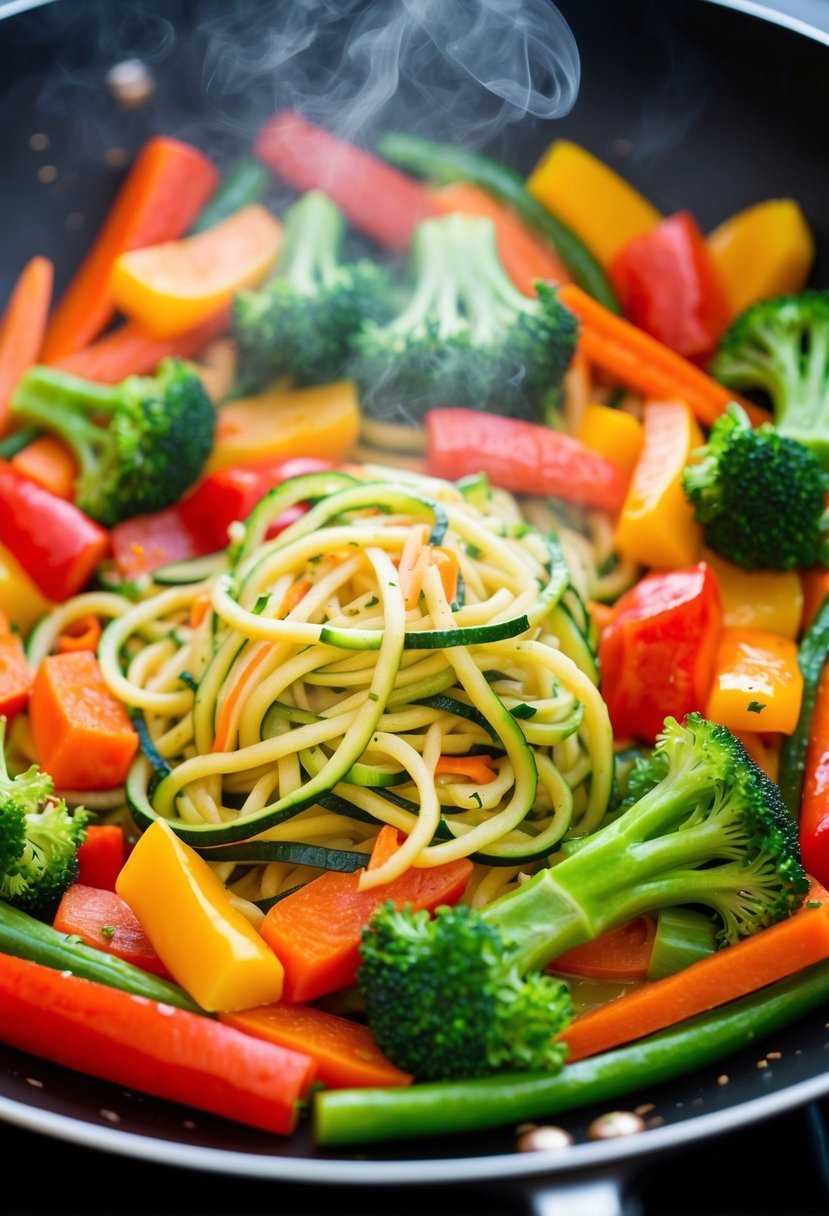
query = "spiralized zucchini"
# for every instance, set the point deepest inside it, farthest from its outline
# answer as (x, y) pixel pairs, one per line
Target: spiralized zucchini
(305, 692)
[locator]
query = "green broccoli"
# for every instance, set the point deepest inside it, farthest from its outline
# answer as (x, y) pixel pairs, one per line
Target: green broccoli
(709, 829)
(139, 444)
(467, 337)
(39, 839)
(301, 322)
(759, 495)
(780, 347)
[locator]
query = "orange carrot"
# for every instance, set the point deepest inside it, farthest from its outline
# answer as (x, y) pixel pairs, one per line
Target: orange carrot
(622, 954)
(815, 589)
(315, 932)
(525, 255)
(102, 919)
(22, 328)
(477, 769)
(230, 705)
(345, 1052)
(82, 634)
(643, 364)
(199, 608)
(756, 961)
(385, 845)
(130, 350)
(16, 677)
(163, 193)
(447, 567)
(82, 733)
(48, 461)
(293, 597)
(414, 559)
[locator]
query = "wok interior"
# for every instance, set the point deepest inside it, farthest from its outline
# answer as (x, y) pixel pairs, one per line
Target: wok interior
(700, 107)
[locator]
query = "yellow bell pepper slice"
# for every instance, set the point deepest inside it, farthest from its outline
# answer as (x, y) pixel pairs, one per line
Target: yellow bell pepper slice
(656, 525)
(21, 600)
(764, 251)
(757, 685)
(614, 434)
(591, 198)
(206, 943)
(322, 421)
(759, 599)
(172, 287)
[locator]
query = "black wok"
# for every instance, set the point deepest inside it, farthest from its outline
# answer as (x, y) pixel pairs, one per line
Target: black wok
(702, 107)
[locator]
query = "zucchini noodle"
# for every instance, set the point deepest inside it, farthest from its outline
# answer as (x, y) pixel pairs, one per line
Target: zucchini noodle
(318, 685)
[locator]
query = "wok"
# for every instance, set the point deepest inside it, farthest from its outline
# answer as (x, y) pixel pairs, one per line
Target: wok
(700, 105)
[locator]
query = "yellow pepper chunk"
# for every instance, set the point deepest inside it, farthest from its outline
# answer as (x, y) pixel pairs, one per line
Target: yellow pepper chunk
(758, 685)
(21, 600)
(206, 944)
(766, 250)
(656, 525)
(759, 599)
(173, 286)
(591, 198)
(322, 421)
(614, 434)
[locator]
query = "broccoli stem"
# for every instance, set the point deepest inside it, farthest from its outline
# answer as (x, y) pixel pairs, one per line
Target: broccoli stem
(310, 250)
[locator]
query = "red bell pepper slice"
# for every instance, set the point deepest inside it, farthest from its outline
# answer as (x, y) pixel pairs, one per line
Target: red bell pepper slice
(152, 1048)
(103, 920)
(56, 544)
(383, 203)
(814, 806)
(668, 285)
(522, 457)
(656, 655)
(101, 856)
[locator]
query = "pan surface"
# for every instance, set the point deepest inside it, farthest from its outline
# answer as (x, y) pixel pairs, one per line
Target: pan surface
(700, 106)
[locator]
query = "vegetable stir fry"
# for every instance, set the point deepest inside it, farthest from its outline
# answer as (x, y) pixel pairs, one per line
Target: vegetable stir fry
(413, 637)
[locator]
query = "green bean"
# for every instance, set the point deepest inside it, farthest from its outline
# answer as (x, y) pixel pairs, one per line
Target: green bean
(363, 1116)
(245, 183)
(811, 658)
(444, 163)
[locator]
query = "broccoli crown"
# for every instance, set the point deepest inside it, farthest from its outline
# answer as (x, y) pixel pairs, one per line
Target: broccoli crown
(467, 337)
(758, 495)
(139, 444)
(301, 323)
(780, 348)
(445, 997)
(39, 841)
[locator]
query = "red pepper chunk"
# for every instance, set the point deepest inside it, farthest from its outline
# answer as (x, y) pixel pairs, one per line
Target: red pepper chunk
(668, 285)
(56, 544)
(656, 655)
(814, 807)
(103, 920)
(101, 856)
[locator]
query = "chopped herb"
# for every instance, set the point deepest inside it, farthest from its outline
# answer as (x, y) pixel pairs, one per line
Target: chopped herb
(372, 696)
(312, 561)
(392, 584)
(372, 602)
(260, 605)
(756, 707)
(813, 903)
(473, 551)
(190, 681)
(108, 931)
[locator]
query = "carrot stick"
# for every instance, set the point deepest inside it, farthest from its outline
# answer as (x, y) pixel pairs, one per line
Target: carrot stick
(82, 634)
(768, 956)
(477, 769)
(525, 255)
(622, 954)
(414, 559)
(643, 364)
(344, 1051)
(386, 844)
(447, 567)
(156, 1049)
(49, 462)
(130, 350)
(164, 191)
(230, 705)
(22, 328)
(16, 676)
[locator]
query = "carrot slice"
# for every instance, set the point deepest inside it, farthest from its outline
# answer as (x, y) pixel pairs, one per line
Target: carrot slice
(477, 769)
(345, 1052)
(49, 462)
(756, 961)
(130, 350)
(164, 191)
(171, 287)
(525, 255)
(315, 932)
(22, 328)
(102, 919)
(643, 364)
(82, 634)
(82, 734)
(622, 954)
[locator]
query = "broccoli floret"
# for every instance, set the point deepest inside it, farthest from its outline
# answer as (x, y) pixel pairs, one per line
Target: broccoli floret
(139, 444)
(780, 347)
(711, 830)
(39, 839)
(759, 495)
(301, 322)
(467, 336)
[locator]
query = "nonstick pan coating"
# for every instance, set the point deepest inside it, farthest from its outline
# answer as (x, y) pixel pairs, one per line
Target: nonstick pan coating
(700, 106)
